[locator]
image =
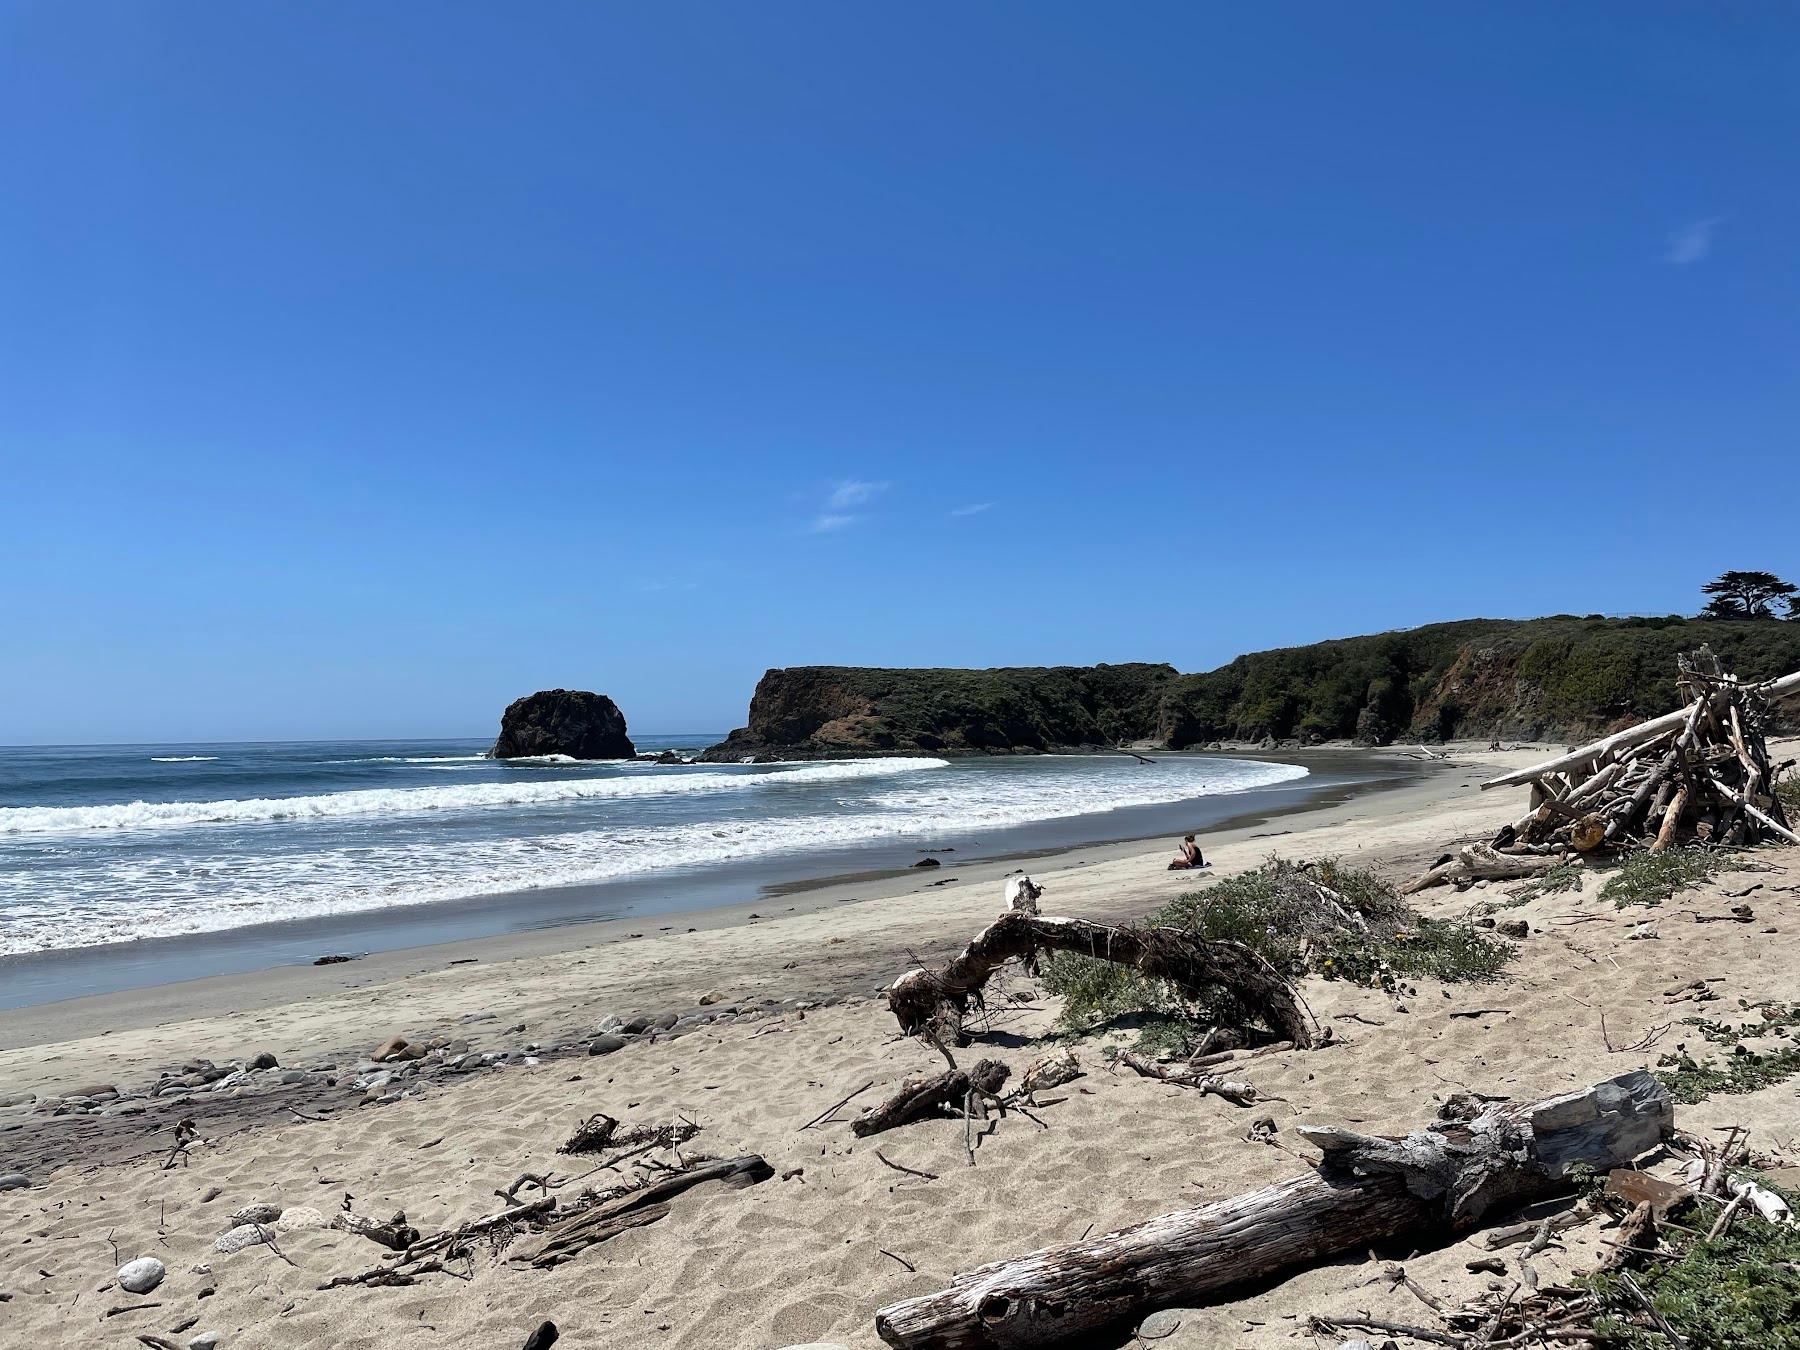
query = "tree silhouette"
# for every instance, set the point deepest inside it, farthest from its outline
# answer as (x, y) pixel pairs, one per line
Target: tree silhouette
(1749, 595)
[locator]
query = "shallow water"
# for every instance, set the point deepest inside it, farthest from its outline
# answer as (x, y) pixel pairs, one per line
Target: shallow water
(103, 845)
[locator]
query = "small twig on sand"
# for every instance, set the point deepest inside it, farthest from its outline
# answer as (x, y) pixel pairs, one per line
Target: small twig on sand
(837, 1106)
(910, 1171)
(901, 1259)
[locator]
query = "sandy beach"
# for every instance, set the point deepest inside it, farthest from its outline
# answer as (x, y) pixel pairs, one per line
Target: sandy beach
(779, 1017)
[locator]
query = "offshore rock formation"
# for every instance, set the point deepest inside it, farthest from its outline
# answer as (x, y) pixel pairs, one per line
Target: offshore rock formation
(569, 722)
(811, 712)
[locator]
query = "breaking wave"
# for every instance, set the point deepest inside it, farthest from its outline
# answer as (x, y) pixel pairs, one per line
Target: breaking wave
(406, 801)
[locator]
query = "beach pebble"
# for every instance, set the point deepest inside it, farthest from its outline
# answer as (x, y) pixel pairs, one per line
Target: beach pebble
(1513, 928)
(664, 1021)
(392, 1048)
(260, 1212)
(543, 1338)
(142, 1275)
(298, 1218)
(706, 1000)
(606, 1044)
(206, 1340)
(637, 1026)
(264, 1061)
(14, 1181)
(244, 1235)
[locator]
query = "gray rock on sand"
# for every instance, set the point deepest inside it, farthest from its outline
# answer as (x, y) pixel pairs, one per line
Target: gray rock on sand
(244, 1235)
(605, 1044)
(14, 1181)
(142, 1275)
(261, 1212)
(206, 1340)
(298, 1218)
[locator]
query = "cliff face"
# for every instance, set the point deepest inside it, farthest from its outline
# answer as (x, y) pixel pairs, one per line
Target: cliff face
(1560, 679)
(816, 711)
(569, 722)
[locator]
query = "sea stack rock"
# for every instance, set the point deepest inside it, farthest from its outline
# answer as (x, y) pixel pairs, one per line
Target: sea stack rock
(569, 722)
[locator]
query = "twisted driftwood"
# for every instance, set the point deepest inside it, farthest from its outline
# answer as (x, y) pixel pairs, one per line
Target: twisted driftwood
(634, 1208)
(922, 1097)
(1447, 1176)
(929, 1001)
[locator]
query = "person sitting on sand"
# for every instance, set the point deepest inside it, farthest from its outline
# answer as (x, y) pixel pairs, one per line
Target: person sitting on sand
(1190, 859)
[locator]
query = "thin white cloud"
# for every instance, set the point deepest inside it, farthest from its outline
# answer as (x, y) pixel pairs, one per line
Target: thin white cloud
(853, 492)
(974, 510)
(1691, 243)
(830, 521)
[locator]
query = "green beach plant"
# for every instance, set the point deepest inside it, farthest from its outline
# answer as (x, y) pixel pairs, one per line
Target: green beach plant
(1651, 878)
(1320, 917)
(1739, 1289)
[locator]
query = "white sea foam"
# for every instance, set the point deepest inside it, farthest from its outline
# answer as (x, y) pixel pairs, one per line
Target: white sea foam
(20, 820)
(89, 895)
(180, 759)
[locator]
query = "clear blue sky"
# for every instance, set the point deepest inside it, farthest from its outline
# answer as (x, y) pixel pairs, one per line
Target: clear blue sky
(365, 366)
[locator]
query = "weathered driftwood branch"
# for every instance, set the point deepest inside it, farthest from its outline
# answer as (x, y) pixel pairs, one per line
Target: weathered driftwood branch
(1232, 1090)
(1477, 862)
(396, 1235)
(1448, 1176)
(645, 1205)
(926, 1001)
(1643, 731)
(922, 1097)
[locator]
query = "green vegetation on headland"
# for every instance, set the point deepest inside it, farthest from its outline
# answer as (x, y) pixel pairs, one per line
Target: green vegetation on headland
(1512, 678)
(1556, 678)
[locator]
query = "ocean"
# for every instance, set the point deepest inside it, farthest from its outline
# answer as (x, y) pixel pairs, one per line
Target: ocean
(115, 844)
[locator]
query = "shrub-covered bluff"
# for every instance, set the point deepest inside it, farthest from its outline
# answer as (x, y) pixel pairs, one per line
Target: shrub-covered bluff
(1555, 678)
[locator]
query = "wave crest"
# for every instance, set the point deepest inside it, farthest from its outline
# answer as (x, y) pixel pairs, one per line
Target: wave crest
(405, 801)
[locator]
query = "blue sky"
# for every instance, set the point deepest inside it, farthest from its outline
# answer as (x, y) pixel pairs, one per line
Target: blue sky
(365, 366)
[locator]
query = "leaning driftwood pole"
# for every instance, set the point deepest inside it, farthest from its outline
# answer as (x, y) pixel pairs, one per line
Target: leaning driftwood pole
(923, 999)
(1366, 1189)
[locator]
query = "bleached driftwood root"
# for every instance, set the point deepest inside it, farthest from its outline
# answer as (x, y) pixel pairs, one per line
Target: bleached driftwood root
(933, 1001)
(1445, 1177)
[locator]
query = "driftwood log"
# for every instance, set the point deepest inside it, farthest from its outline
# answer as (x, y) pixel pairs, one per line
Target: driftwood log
(1446, 1177)
(396, 1235)
(934, 1001)
(922, 1097)
(1186, 1075)
(1476, 862)
(635, 1208)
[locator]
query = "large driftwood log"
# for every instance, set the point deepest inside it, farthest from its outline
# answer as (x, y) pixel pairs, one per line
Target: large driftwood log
(1448, 1176)
(923, 1000)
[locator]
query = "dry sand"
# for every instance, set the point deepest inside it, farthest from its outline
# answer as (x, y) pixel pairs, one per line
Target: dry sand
(809, 1255)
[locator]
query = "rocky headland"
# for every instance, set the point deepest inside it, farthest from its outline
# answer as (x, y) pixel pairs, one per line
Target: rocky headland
(1515, 679)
